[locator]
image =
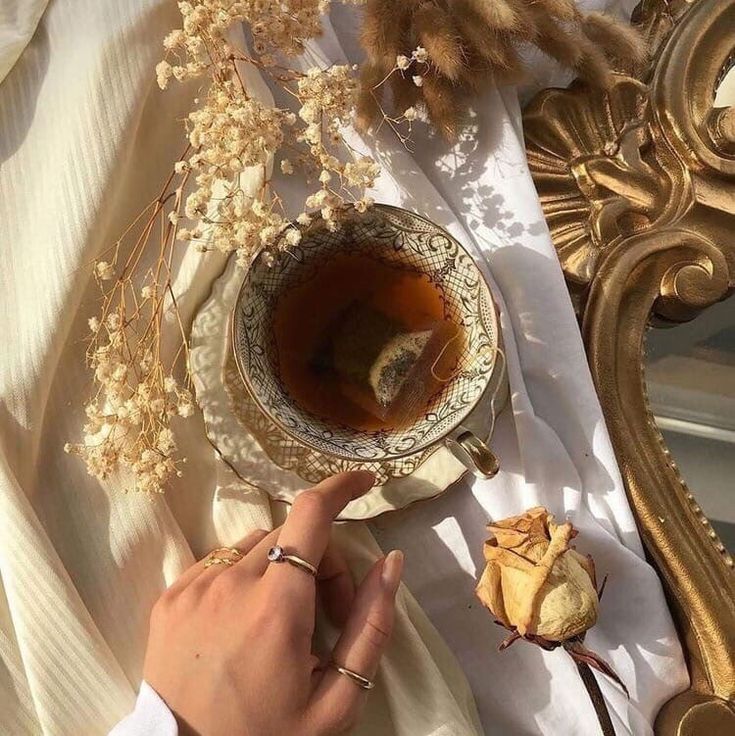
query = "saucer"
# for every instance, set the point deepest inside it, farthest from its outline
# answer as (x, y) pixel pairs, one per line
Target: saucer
(266, 458)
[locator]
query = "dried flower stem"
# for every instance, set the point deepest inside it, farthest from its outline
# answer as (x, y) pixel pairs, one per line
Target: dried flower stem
(524, 552)
(598, 701)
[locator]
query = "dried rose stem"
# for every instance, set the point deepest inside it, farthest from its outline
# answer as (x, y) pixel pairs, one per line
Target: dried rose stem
(598, 702)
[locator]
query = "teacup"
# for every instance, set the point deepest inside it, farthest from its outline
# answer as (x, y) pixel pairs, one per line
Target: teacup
(395, 236)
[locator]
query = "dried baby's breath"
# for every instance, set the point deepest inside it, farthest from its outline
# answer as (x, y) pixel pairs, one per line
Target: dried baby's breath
(139, 386)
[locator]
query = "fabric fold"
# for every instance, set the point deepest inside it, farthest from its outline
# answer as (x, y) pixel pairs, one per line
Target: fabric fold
(86, 142)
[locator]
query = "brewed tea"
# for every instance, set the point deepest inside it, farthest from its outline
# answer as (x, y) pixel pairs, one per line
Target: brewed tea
(365, 343)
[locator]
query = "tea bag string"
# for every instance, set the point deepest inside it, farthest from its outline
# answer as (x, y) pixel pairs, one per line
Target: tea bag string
(499, 353)
(456, 336)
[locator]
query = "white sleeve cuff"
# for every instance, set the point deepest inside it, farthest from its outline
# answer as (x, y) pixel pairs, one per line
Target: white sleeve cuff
(151, 717)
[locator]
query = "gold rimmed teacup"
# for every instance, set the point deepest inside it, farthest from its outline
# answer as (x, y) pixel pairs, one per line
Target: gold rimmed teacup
(394, 236)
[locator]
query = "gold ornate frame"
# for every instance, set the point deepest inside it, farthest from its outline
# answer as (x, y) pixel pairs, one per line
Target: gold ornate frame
(638, 188)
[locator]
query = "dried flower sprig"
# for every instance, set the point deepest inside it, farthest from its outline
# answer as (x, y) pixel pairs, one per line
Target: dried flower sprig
(543, 591)
(136, 395)
(139, 385)
(471, 44)
(233, 130)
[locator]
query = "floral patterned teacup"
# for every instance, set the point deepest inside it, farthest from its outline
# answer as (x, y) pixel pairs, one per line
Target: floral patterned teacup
(392, 235)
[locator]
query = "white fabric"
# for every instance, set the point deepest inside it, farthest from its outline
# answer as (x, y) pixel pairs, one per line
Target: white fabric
(18, 21)
(554, 449)
(151, 717)
(85, 140)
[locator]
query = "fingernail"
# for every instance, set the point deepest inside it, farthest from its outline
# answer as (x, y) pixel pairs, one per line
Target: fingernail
(390, 575)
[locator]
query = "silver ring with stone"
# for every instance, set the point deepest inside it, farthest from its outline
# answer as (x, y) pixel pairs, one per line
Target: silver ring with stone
(277, 554)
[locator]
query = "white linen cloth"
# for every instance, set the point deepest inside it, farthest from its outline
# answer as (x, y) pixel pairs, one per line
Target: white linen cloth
(18, 21)
(85, 140)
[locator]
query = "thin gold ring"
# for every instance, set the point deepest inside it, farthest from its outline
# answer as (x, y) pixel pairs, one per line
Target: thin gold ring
(358, 679)
(277, 554)
(215, 557)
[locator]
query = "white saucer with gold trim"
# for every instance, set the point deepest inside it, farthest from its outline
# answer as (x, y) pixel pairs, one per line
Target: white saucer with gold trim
(264, 457)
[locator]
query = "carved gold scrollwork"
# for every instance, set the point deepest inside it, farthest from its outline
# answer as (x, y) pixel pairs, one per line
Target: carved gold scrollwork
(638, 188)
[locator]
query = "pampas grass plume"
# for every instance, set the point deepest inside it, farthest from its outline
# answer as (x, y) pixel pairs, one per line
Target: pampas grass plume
(619, 40)
(472, 43)
(443, 104)
(439, 37)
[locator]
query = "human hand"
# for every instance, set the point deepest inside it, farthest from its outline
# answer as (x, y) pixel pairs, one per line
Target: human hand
(230, 647)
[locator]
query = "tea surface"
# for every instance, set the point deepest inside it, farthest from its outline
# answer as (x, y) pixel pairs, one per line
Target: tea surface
(330, 330)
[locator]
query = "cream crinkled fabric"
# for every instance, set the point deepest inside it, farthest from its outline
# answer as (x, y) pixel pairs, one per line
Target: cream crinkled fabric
(18, 21)
(85, 140)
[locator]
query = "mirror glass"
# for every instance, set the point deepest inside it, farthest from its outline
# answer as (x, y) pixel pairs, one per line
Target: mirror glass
(725, 94)
(690, 374)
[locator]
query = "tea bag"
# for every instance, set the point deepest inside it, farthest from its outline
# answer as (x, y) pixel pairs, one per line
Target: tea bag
(387, 370)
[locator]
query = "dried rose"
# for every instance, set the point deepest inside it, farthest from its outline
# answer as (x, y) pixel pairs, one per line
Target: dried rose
(540, 588)
(534, 582)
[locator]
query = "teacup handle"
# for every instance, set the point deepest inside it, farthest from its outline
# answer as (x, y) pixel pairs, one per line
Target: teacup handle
(473, 453)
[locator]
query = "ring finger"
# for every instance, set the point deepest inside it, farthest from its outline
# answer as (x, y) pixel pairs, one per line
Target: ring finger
(361, 644)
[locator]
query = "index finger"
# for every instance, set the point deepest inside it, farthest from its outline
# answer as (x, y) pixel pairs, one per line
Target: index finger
(306, 530)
